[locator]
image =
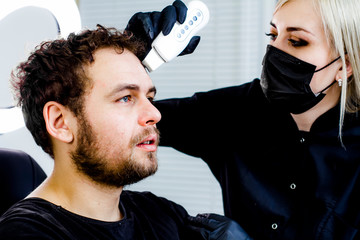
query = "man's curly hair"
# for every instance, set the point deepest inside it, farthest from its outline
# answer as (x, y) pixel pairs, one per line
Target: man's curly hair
(54, 72)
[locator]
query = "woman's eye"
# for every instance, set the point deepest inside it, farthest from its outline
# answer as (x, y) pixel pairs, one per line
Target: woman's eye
(271, 35)
(125, 99)
(297, 43)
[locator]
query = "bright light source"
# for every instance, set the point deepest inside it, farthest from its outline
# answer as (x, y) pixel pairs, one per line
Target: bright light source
(65, 11)
(68, 18)
(11, 119)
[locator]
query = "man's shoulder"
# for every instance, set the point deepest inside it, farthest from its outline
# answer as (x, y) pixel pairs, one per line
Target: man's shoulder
(27, 207)
(28, 217)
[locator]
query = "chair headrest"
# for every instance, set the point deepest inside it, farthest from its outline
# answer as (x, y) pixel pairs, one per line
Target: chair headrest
(20, 174)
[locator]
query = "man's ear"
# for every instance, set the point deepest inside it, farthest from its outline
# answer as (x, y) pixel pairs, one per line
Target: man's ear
(57, 122)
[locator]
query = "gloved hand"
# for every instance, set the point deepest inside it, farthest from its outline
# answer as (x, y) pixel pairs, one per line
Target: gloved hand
(146, 26)
(214, 226)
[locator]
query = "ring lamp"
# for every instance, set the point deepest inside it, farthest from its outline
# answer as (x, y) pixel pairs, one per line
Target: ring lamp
(65, 12)
(68, 20)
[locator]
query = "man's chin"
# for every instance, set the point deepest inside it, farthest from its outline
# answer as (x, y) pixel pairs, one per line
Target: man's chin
(145, 158)
(151, 165)
(144, 172)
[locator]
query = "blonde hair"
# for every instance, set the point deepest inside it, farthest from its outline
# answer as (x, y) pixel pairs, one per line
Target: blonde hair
(341, 20)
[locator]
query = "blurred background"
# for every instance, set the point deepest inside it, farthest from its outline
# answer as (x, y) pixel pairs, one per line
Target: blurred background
(230, 53)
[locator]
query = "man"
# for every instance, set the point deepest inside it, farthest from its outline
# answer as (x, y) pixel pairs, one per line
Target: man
(87, 101)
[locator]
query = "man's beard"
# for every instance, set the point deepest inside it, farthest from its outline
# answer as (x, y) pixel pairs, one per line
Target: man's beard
(124, 169)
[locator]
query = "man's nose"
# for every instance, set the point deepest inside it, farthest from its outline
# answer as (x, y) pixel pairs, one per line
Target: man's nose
(149, 114)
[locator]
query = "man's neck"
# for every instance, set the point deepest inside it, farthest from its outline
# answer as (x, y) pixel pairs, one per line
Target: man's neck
(80, 195)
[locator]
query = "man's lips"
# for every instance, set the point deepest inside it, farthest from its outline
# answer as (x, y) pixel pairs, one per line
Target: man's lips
(149, 143)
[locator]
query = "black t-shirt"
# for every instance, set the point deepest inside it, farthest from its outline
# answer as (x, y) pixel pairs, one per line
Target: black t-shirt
(146, 216)
(277, 182)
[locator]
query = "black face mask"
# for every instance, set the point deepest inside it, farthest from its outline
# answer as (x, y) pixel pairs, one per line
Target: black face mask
(285, 81)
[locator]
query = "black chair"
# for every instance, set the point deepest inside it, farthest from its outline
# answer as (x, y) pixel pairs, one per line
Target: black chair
(20, 174)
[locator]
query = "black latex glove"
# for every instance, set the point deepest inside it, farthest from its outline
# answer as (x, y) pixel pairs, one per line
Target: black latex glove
(214, 226)
(146, 26)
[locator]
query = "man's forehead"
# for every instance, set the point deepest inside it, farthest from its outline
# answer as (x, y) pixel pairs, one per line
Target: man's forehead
(111, 69)
(113, 60)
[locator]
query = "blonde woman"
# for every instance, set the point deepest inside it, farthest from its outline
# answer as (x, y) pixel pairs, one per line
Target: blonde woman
(285, 148)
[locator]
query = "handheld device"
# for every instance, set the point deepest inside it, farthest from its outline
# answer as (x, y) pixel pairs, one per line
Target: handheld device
(165, 48)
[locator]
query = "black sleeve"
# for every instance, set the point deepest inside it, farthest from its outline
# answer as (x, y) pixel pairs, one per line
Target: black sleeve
(206, 121)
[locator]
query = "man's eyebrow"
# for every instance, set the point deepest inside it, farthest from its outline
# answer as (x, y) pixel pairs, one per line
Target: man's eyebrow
(292, 29)
(122, 87)
(133, 87)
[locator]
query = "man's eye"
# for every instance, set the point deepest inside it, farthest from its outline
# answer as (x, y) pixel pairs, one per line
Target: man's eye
(151, 99)
(125, 99)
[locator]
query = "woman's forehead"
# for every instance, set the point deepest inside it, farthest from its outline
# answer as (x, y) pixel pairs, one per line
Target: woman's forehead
(299, 14)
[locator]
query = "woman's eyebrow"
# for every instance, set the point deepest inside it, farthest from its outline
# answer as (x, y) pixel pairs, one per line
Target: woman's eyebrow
(293, 29)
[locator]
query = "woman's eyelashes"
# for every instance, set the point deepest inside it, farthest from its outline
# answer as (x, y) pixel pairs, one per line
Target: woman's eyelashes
(293, 42)
(298, 43)
(271, 35)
